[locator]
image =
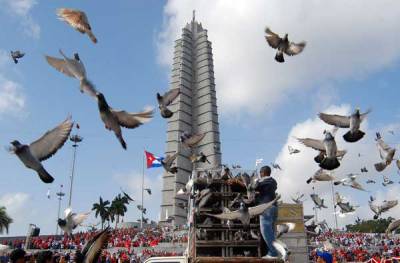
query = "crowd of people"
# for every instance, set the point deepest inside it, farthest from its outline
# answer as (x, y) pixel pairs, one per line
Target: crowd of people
(125, 240)
(356, 247)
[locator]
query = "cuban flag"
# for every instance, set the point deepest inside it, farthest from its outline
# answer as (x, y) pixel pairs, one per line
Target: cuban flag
(152, 160)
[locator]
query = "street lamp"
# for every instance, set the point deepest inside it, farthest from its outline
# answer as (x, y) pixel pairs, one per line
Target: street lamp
(60, 196)
(75, 139)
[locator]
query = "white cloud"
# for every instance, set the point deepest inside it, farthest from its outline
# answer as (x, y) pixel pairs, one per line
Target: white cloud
(16, 205)
(22, 9)
(341, 44)
(297, 168)
(12, 100)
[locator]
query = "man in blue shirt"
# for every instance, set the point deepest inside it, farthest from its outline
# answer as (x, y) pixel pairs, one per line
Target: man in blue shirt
(266, 186)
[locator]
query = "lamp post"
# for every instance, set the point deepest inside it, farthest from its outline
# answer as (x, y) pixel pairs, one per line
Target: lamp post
(76, 139)
(60, 195)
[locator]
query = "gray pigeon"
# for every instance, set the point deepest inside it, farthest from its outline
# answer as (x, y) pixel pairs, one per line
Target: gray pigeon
(74, 68)
(346, 207)
(114, 119)
(283, 45)
(383, 207)
(328, 157)
(71, 221)
(293, 150)
(165, 100)
(350, 180)
(319, 202)
(148, 190)
(251, 183)
(353, 122)
(191, 140)
(244, 214)
(92, 249)
(386, 153)
(284, 228)
(369, 181)
(364, 170)
(386, 181)
(42, 149)
(395, 224)
(15, 55)
(298, 198)
(276, 166)
(321, 176)
(201, 158)
(130, 199)
(167, 163)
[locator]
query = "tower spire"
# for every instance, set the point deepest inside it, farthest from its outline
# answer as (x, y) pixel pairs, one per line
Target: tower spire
(194, 15)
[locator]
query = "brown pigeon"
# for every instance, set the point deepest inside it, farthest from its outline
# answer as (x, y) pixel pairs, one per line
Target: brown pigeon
(78, 20)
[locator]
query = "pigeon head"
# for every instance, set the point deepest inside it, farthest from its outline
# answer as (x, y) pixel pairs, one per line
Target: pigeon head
(159, 97)
(328, 135)
(101, 100)
(285, 37)
(76, 56)
(243, 207)
(16, 144)
(61, 222)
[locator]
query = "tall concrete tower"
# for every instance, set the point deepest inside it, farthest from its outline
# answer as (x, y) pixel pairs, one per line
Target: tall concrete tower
(195, 111)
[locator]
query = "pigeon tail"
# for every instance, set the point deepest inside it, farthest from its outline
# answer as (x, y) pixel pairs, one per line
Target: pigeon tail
(319, 158)
(15, 60)
(353, 136)
(329, 163)
(309, 180)
(279, 57)
(92, 37)
(121, 140)
(166, 113)
(45, 176)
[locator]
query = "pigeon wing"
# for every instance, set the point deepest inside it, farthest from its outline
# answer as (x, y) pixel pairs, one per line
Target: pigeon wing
(233, 215)
(313, 143)
(60, 65)
(245, 179)
(79, 218)
(374, 208)
(98, 243)
(364, 115)
(335, 120)
(169, 159)
(75, 18)
(74, 66)
(295, 49)
(132, 120)
(259, 209)
(272, 38)
(170, 96)
(51, 141)
(382, 145)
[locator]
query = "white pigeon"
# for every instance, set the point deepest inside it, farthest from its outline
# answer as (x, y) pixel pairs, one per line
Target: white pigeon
(322, 176)
(385, 152)
(71, 220)
(350, 180)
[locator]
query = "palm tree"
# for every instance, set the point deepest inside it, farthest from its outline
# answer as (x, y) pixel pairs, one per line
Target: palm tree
(118, 208)
(102, 208)
(5, 220)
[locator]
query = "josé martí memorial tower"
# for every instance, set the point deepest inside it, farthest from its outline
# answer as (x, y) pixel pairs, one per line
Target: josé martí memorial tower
(195, 111)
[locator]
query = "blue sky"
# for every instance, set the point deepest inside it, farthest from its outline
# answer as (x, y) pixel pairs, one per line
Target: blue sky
(260, 101)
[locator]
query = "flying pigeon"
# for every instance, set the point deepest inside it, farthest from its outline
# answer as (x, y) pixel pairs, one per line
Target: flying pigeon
(114, 119)
(386, 153)
(201, 158)
(350, 180)
(191, 141)
(42, 149)
(364, 170)
(78, 20)
(167, 163)
(74, 68)
(328, 157)
(395, 224)
(284, 228)
(92, 249)
(383, 207)
(322, 176)
(165, 100)
(297, 199)
(353, 122)
(141, 208)
(283, 45)
(15, 55)
(293, 150)
(318, 201)
(148, 190)
(48, 193)
(244, 214)
(391, 132)
(346, 208)
(250, 183)
(276, 166)
(386, 181)
(369, 181)
(282, 249)
(71, 220)
(130, 199)
(188, 188)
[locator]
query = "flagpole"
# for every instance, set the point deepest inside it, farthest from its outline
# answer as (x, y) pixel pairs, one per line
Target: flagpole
(141, 219)
(334, 206)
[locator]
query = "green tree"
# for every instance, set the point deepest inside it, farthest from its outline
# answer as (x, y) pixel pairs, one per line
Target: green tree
(370, 226)
(118, 208)
(102, 208)
(5, 220)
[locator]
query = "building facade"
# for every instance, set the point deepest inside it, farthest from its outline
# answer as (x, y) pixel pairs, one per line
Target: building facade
(195, 111)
